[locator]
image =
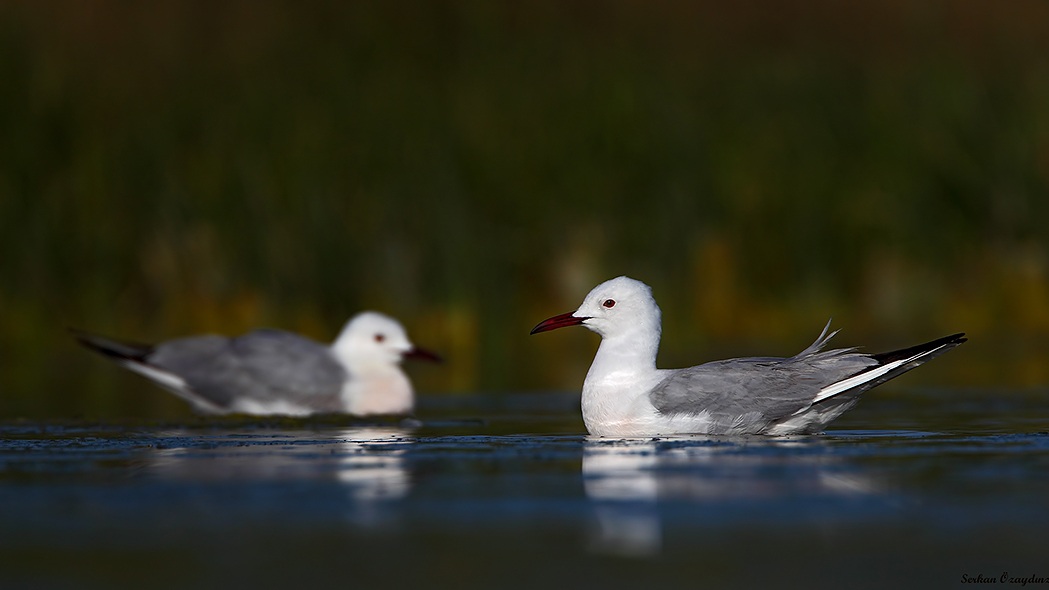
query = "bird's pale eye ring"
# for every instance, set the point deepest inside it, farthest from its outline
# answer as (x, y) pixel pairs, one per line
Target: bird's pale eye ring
(380, 337)
(609, 303)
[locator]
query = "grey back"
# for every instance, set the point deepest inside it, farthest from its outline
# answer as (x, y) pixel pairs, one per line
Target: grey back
(264, 365)
(756, 391)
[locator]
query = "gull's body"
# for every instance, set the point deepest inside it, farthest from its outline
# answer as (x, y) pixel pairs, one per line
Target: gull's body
(275, 372)
(624, 394)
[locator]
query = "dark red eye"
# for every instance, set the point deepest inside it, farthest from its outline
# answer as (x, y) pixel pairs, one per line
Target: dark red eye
(609, 303)
(380, 337)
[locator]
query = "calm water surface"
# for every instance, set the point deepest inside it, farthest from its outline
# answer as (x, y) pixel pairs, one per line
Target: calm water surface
(918, 488)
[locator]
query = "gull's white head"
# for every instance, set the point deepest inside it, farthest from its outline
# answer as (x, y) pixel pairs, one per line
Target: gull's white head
(371, 340)
(617, 307)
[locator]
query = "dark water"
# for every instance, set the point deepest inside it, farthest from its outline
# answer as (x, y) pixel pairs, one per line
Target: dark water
(911, 488)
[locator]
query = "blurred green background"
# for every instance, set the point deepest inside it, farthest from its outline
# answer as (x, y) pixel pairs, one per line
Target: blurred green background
(473, 167)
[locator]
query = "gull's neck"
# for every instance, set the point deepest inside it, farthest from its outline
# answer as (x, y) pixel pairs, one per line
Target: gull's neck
(623, 371)
(382, 392)
(626, 354)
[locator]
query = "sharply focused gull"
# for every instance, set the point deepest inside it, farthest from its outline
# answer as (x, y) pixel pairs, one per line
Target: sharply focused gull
(624, 394)
(275, 372)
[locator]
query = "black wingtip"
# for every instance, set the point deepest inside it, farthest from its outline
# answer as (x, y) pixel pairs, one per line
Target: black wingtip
(131, 351)
(947, 342)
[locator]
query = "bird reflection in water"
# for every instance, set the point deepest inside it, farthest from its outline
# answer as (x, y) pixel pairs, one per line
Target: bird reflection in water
(358, 473)
(372, 470)
(628, 481)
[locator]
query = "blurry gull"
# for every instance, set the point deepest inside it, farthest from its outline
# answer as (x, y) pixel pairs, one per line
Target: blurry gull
(270, 371)
(624, 394)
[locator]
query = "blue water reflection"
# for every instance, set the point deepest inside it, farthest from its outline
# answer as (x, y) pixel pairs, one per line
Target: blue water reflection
(628, 480)
(366, 464)
(248, 501)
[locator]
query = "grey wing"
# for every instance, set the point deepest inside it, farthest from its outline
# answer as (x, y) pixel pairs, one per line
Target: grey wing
(292, 366)
(264, 365)
(755, 391)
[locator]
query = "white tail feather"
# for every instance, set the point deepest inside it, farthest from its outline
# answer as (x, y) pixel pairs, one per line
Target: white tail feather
(867, 376)
(172, 383)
